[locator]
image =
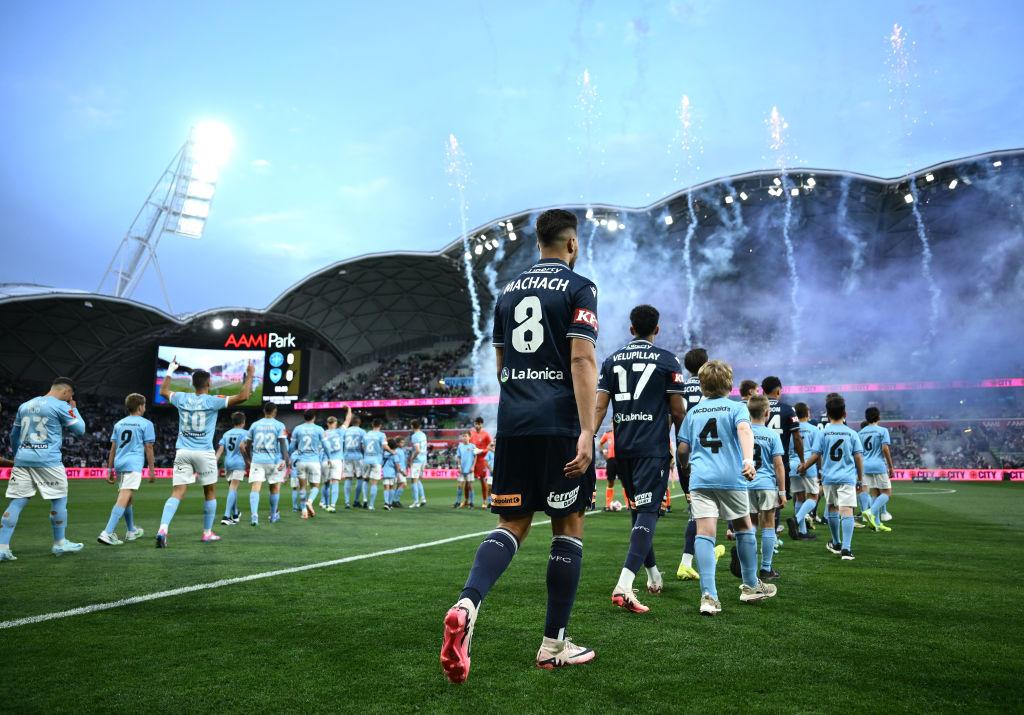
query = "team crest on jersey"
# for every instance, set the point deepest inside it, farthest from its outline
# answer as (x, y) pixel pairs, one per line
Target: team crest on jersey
(587, 317)
(504, 374)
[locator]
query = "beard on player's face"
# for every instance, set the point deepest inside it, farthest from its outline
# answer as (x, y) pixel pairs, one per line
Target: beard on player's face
(574, 243)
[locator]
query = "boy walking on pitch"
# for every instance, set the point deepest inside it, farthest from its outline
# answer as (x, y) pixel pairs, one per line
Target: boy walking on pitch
(131, 442)
(839, 455)
(236, 462)
(878, 469)
(768, 490)
(717, 443)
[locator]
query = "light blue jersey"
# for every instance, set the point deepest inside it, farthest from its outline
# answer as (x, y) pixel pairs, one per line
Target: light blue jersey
(716, 461)
(231, 441)
(373, 447)
(334, 444)
(355, 438)
(131, 435)
(265, 437)
(767, 446)
(307, 442)
(39, 428)
(490, 460)
(837, 446)
(873, 437)
(810, 435)
(402, 460)
(419, 438)
(197, 419)
(388, 470)
(467, 457)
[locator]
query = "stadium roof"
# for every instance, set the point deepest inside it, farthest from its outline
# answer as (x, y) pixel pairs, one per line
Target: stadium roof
(386, 303)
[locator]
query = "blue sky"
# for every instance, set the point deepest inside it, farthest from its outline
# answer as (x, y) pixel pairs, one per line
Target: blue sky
(341, 113)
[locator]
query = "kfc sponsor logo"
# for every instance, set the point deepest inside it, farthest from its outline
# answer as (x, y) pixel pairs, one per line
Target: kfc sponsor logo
(586, 317)
(677, 378)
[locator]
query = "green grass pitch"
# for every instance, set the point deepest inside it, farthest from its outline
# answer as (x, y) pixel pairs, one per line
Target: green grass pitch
(928, 618)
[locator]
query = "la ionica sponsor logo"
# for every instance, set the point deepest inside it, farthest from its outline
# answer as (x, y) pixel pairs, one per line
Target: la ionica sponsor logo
(561, 501)
(530, 374)
(634, 417)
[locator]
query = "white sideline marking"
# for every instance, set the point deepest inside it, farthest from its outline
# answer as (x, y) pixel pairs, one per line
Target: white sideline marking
(923, 492)
(95, 607)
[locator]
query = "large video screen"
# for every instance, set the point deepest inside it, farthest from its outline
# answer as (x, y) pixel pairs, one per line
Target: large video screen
(226, 368)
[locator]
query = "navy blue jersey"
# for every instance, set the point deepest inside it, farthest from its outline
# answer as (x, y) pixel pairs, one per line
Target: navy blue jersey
(691, 392)
(535, 320)
(782, 418)
(639, 377)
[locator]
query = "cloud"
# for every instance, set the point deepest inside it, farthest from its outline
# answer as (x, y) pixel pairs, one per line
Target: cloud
(365, 189)
(260, 164)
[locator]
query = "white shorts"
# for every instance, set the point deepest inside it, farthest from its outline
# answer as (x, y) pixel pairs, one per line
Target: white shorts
(877, 481)
(763, 500)
(269, 473)
(190, 463)
(372, 471)
(129, 480)
(52, 482)
(489, 480)
(840, 495)
(334, 471)
(352, 470)
(416, 470)
(401, 479)
(807, 485)
(235, 475)
(719, 503)
(310, 471)
(388, 482)
(464, 478)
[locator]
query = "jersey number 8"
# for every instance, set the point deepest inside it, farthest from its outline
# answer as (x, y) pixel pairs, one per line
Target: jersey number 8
(528, 335)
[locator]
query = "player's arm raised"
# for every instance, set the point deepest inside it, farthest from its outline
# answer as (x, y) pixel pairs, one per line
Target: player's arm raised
(165, 384)
(348, 417)
(583, 365)
(246, 390)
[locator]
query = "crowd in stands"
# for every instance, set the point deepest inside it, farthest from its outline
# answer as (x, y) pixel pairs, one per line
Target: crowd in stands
(408, 376)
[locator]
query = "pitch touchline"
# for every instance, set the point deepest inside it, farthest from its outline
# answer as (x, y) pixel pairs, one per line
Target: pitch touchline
(93, 608)
(923, 492)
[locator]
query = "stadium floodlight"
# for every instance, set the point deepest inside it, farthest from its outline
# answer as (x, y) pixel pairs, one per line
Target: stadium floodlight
(469, 255)
(668, 220)
(508, 226)
(218, 324)
(234, 322)
(512, 236)
(811, 183)
(997, 163)
(743, 196)
(794, 191)
(613, 226)
(590, 213)
(603, 222)
(929, 177)
(777, 181)
(478, 249)
(179, 204)
(953, 183)
(909, 198)
(728, 199)
(622, 226)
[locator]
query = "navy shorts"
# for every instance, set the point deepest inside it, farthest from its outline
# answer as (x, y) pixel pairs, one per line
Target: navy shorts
(644, 479)
(529, 476)
(611, 470)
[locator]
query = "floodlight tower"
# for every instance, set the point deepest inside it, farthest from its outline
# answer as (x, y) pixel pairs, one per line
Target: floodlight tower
(178, 204)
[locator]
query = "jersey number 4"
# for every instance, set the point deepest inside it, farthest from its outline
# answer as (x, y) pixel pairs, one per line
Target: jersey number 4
(709, 436)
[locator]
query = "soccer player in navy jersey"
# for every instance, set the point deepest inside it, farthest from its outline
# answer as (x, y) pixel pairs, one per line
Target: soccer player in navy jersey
(643, 386)
(717, 441)
(545, 335)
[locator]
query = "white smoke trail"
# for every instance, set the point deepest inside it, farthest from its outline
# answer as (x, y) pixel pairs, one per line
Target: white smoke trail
(691, 325)
(846, 231)
(688, 147)
(926, 264)
(458, 177)
(588, 111)
(776, 128)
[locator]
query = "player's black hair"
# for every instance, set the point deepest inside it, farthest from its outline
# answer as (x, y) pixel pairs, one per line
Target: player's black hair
(62, 382)
(835, 406)
(770, 384)
(478, 421)
(748, 388)
(309, 415)
(802, 410)
(356, 420)
(377, 422)
(238, 419)
(415, 424)
(392, 442)
(200, 379)
(269, 408)
(553, 226)
(694, 359)
(644, 319)
(872, 415)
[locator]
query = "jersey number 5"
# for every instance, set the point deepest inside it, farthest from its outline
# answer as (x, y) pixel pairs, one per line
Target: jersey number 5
(528, 335)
